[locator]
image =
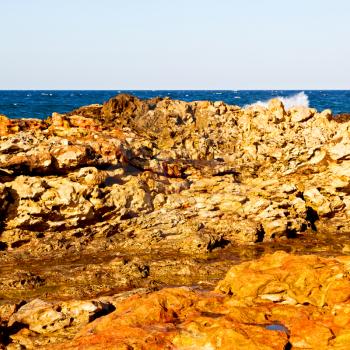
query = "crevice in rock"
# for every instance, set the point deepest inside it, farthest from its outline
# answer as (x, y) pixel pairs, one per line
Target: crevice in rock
(13, 203)
(7, 331)
(288, 346)
(218, 243)
(291, 233)
(312, 217)
(260, 234)
(19, 243)
(107, 309)
(300, 195)
(56, 170)
(234, 173)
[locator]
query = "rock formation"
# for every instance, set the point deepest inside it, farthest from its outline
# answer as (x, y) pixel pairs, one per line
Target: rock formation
(143, 194)
(278, 302)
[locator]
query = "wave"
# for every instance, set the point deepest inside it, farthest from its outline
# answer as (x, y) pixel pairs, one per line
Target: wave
(299, 99)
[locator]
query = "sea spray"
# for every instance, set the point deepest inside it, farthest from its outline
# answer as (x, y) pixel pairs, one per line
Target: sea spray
(299, 99)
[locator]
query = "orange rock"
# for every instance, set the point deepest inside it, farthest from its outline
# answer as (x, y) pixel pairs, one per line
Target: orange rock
(238, 315)
(290, 279)
(84, 123)
(57, 120)
(5, 124)
(175, 319)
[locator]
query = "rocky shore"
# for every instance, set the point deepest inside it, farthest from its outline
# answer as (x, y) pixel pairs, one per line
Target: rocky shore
(119, 223)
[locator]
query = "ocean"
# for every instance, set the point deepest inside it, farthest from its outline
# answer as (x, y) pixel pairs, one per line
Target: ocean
(41, 104)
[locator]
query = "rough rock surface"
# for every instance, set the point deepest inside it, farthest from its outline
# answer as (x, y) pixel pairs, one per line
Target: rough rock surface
(281, 302)
(152, 193)
(164, 168)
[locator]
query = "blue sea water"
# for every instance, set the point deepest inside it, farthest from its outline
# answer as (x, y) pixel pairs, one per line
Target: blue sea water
(41, 104)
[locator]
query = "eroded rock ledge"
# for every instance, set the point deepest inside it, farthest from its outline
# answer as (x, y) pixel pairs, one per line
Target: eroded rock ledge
(163, 171)
(145, 194)
(278, 302)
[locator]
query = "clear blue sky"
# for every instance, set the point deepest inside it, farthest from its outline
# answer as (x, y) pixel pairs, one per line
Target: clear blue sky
(174, 44)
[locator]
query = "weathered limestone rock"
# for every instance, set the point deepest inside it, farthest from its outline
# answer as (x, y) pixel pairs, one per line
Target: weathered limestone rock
(201, 173)
(39, 323)
(13, 126)
(43, 317)
(148, 193)
(279, 301)
(3, 202)
(305, 280)
(301, 114)
(340, 148)
(27, 153)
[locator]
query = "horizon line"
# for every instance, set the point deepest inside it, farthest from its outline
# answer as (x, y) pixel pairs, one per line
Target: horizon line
(61, 89)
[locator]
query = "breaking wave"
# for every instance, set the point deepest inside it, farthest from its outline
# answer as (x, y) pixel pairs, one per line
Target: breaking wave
(299, 99)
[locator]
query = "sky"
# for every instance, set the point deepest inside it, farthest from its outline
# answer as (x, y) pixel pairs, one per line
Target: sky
(174, 44)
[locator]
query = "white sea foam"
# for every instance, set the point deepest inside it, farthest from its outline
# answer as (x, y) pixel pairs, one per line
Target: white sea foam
(299, 99)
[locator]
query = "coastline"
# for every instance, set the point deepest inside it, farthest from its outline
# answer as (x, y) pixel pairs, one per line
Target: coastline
(41, 103)
(136, 195)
